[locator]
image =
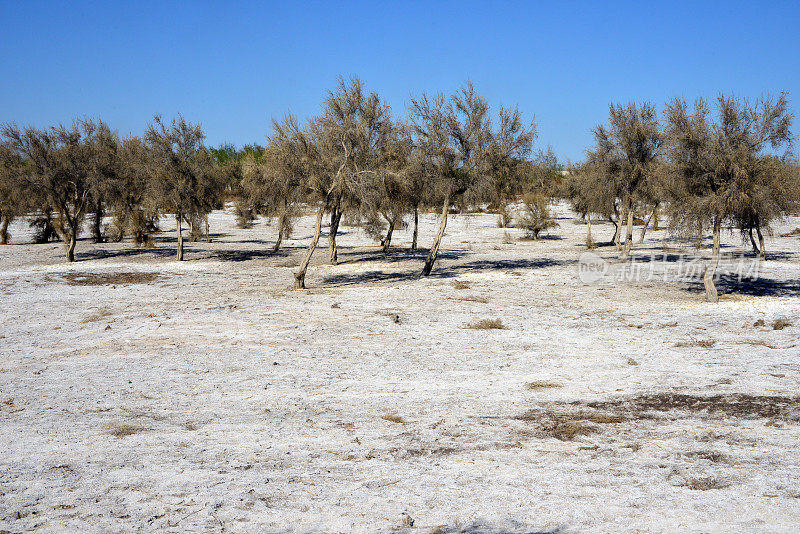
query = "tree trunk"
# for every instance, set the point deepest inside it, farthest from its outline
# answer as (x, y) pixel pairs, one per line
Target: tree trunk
(426, 271)
(333, 252)
(655, 219)
(699, 239)
(646, 224)
(300, 276)
(71, 241)
(618, 232)
(178, 218)
(387, 242)
(4, 230)
(589, 240)
(763, 252)
(615, 238)
(756, 250)
(280, 235)
(711, 269)
(97, 223)
(626, 250)
(416, 228)
(192, 229)
(208, 234)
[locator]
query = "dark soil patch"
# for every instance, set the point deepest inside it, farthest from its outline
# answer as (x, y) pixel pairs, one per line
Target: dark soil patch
(105, 279)
(566, 421)
(729, 404)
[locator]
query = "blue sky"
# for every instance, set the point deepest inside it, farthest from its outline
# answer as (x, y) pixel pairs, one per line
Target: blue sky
(232, 66)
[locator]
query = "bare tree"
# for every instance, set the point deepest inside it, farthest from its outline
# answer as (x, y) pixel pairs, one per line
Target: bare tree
(12, 198)
(626, 155)
(59, 170)
(771, 194)
(272, 186)
(130, 194)
(714, 160)
(457, 143)
(185, 179)
(340, 147)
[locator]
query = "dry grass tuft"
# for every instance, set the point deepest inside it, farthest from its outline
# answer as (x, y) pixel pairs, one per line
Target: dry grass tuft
(487, 324)
(568, 426)
(542, 384)
(568, 430)
(120, 430)
(107, 279)
(460, 284)
(473, 298)
(780, 323)
(705, 483)
(758, 323)
(566, 421)
(712, 456)
(392, 418)
(99, 315)
(704, 343)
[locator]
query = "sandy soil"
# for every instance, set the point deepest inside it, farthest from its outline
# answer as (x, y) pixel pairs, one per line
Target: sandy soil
(138, 393)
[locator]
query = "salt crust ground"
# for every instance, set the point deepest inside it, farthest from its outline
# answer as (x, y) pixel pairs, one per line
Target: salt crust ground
(251, 407)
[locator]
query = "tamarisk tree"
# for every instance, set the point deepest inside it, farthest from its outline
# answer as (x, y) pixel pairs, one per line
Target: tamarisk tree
(185, 179)
(456, 141)
(272, 182)
(59, 169)
(716, 160)
(339, 149)
(626, 156)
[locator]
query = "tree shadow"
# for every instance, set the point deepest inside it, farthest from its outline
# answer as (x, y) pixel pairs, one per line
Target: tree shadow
(450, 271)
(505, 265)
(546, 237)
(102, 254)
(246, 255)
(396, 255)
(755, 287)
(370, 276)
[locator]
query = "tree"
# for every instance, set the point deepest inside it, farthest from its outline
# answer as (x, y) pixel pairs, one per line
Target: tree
(185, 179)
(626, 156)
(272, 179)
(456, 142)
(104, 167)
(536, 217)
(59, 170)
(714, 160)
(388, 193)
(589, 195)
(130, 195)
(338, 149)
(772, 193)
(12, 201)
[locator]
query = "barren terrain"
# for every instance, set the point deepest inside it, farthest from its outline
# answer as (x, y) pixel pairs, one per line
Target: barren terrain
(138, 393)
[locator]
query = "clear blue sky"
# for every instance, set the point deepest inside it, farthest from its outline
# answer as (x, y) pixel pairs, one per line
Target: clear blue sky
(232, 66)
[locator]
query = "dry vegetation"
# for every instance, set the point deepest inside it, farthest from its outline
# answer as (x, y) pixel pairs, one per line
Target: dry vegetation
(780, 323)
(108, 279)
(542, 384)
(120, 430)
(487, 324)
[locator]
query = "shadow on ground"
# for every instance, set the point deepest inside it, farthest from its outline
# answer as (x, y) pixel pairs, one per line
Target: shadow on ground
(449, 271)
(755, 287)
